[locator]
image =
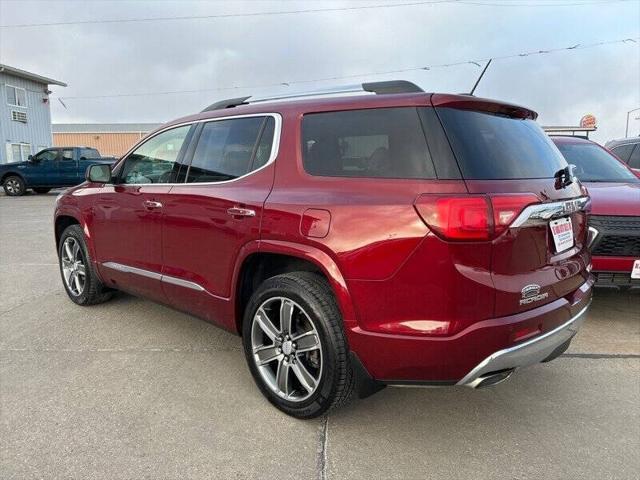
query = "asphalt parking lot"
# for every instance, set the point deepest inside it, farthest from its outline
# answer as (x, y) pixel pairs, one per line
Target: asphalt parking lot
(131, 389)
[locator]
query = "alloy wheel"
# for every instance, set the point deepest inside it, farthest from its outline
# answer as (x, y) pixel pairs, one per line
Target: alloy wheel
(13, 186)
(73, 266)
(286, 349)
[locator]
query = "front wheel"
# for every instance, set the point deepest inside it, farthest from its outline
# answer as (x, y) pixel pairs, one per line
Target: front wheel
(14, 186)
(295, 345)
(78, 275)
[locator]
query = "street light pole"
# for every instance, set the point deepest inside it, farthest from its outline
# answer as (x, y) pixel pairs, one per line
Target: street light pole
(626, 130)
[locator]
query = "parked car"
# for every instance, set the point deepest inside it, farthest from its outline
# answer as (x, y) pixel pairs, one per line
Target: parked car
(49, 168)
(627, 150)
(401, 238)
(614, 222)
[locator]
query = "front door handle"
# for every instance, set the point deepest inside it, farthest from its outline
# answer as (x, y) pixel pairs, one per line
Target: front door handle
(241, 212)
(150, 204)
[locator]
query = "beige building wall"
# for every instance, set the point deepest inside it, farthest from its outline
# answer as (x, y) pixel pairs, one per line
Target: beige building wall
(108, 144)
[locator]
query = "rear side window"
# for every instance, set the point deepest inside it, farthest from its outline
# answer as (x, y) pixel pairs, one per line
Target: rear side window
(624, 151)
(374, 143)
(228, 149)
(491, 147)
(89, 153)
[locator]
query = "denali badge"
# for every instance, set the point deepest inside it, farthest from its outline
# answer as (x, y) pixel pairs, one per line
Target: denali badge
(531, 293)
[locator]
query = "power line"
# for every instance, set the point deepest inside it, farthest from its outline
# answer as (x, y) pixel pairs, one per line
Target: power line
(554, 4)
(230, 15)
(476, 62)
(315, 10)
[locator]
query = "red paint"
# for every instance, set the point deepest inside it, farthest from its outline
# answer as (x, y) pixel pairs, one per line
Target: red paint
(414, 306)
(620, 199)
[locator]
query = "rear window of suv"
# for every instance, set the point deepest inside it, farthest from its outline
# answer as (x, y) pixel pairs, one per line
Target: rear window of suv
(492, 147)
(373, 143)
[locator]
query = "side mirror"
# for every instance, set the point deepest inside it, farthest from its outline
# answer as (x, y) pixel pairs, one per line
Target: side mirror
(99, 173)
(30, 157)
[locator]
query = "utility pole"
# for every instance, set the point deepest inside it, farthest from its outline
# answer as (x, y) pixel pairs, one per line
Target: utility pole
(626, 130)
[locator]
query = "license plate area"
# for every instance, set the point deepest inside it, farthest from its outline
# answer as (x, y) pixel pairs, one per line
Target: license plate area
(635, 270)
(562, 233)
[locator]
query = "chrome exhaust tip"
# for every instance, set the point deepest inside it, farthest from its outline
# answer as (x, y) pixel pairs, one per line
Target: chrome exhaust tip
(491, 378)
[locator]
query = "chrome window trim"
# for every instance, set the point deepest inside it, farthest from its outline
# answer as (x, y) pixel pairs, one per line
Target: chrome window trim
(542, 212)
(275, 147)
(158, 276)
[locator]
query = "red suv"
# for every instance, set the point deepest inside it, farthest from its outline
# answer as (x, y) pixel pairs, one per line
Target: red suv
(354, 242)
(614, 220)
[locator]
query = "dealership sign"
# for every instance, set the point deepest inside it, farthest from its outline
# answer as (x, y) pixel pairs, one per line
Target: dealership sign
(588, 121)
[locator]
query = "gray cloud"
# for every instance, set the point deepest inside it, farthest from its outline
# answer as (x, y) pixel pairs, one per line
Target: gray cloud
(200, 54)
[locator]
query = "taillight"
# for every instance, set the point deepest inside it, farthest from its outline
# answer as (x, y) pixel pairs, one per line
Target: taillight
(507, 207)
(471, 217)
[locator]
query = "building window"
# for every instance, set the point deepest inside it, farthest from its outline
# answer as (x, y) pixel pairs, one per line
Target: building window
(19, 152)
(16, 96)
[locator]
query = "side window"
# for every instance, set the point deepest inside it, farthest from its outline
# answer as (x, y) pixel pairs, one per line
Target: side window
(89, 153)
(67, 155)
(634, 160)
(46, 156)
(374, 143)
(228, 149)
(623, 151)
(155, 160)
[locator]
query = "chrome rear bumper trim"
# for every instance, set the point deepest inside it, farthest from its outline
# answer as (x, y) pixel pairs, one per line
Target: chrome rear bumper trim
(528, 353)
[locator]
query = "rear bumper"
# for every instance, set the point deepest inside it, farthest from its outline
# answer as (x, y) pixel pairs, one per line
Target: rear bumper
(524, 354)
(495, 343)
(614, 272)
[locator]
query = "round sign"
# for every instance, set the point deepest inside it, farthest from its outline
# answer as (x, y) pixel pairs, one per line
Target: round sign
(588, 121)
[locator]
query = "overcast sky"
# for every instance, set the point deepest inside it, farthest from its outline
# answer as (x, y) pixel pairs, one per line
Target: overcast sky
(127, 58)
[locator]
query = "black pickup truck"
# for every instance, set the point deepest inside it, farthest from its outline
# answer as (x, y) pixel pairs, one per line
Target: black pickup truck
(50, 168)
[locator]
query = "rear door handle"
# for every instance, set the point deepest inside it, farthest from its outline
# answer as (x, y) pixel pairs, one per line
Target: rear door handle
(150, 204)
(241, 212)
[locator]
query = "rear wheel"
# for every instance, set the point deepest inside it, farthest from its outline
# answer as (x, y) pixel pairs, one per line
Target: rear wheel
(78, 275)
(295, 345)
(41, 190)
(14, 186)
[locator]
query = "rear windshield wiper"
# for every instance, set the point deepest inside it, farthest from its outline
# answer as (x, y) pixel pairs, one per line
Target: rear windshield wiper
(564, 176)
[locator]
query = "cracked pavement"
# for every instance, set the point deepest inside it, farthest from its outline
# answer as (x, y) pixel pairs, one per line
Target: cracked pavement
(130, 389)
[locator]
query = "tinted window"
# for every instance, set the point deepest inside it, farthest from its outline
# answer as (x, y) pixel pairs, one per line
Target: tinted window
(624, 151)
(89, 153)
(47, 155)
(155, 160)
(67, 155)
(634, 161)
(378, 143)
(490, 146)
(228, 149)
(594, 164)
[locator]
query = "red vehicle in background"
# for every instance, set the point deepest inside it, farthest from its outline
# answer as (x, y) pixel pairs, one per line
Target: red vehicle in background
(614, 222)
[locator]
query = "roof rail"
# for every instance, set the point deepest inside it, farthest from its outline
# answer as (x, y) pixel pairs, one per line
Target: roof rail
(229, 103)
(379, 88)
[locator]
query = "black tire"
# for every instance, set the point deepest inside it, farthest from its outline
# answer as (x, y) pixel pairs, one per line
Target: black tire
(93, 291)
(313, 294)
(14, 186)
(41, 190)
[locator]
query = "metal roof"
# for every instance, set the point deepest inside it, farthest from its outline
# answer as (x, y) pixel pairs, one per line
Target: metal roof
(104, 127)
(30, 76)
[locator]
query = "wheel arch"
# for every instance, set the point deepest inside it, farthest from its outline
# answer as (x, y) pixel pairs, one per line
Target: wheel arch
(62, 222)
(277, 257)
(11, 173)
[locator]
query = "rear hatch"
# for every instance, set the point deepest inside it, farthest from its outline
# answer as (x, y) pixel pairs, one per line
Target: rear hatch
(537, 208)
